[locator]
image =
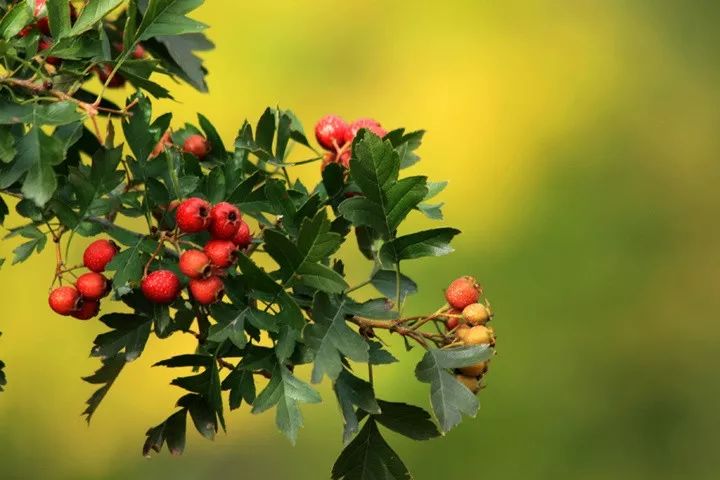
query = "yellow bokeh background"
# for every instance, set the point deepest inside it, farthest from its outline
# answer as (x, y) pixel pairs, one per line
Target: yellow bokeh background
(580, 142)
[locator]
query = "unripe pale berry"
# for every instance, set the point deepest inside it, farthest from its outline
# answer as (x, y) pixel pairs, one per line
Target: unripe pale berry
(243, 237)
(197, 145)
(64, 300)
(369, 124)
(476, 335)
(161, 286)
(98, 254)
(195, 264)
(225, 221)
(88, 309)
(462, 292)
(193, 215)
(475, 370)
(476, 314)
(92, 285)
(332, 132)
(221, 252)
(472, 383)
(206, 290)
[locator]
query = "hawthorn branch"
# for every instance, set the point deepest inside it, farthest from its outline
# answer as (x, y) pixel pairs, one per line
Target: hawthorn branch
(397, 327)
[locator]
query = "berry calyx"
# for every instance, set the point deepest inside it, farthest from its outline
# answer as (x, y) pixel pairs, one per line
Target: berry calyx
(64, 300)
(476, 335)
(98, 254)
(161, 286)
(92, 285)
(88, 309)
(475, 370)
(225, 221)
(197, 145)
(332, 132)
(206, 290)
(476, 314)
(369, 124)
(221, 252)
(195, 264)
(243, 237)
(462, 292)
(193, 215)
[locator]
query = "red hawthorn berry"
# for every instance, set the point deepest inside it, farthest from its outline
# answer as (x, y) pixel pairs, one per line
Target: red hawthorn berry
(43, 45)
(243, 237)
(103, 73)
(138, 52)
(161, 286)
(452, 322)
(462, 292)
(98, 254)
(193, 215)
(40, 12)
(197, 145)
(225, 221)
(476, 314)
(332, 132)
(369, 124)
(88, 309)
(64, 300)
(195, 264)
(207, 290)
(221, 252)
(92, 285)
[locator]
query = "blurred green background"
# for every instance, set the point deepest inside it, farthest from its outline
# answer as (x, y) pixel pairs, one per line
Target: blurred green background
(580, 139)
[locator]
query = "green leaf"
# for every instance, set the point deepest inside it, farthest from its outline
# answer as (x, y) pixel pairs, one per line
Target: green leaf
(59, 17)
(369, 457)
(171, 431)
(352, 391)
(7, 144)
(408, 420)
(241, 384)
(215, 185)
(330, 337)
(15, 19)
(285, 391)
(386, 283)
(375, 167)
(26, 249)
(450, 398)
(380, 356)
(428, 243)
(431, 211)
(129, 333)
(128, 266)
(178, 55)
(231, 324)
(59, 113)
(105, 376)
(168, 17)
(91, 14)
(217, 148)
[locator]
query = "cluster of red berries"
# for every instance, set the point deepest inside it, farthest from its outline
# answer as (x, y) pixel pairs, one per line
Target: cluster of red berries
(336, 135)
(229, 234)
(82, 300)
(195, 144)
(468, 319)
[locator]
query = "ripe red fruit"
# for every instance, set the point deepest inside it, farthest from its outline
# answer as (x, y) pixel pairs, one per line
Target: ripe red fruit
(368, 123)
(195, 264)
(462, 292)
(139, 52)
(64, 300)
(207, 290)
(161, 286)
(221, 252)
(92, 286)
(98, 254)
(88, 309)
(104, 71)
(225, 221)
(196, 145)
(452, 322)
(332, 132)
(40, 12)
(243, 237)
(193, 215)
